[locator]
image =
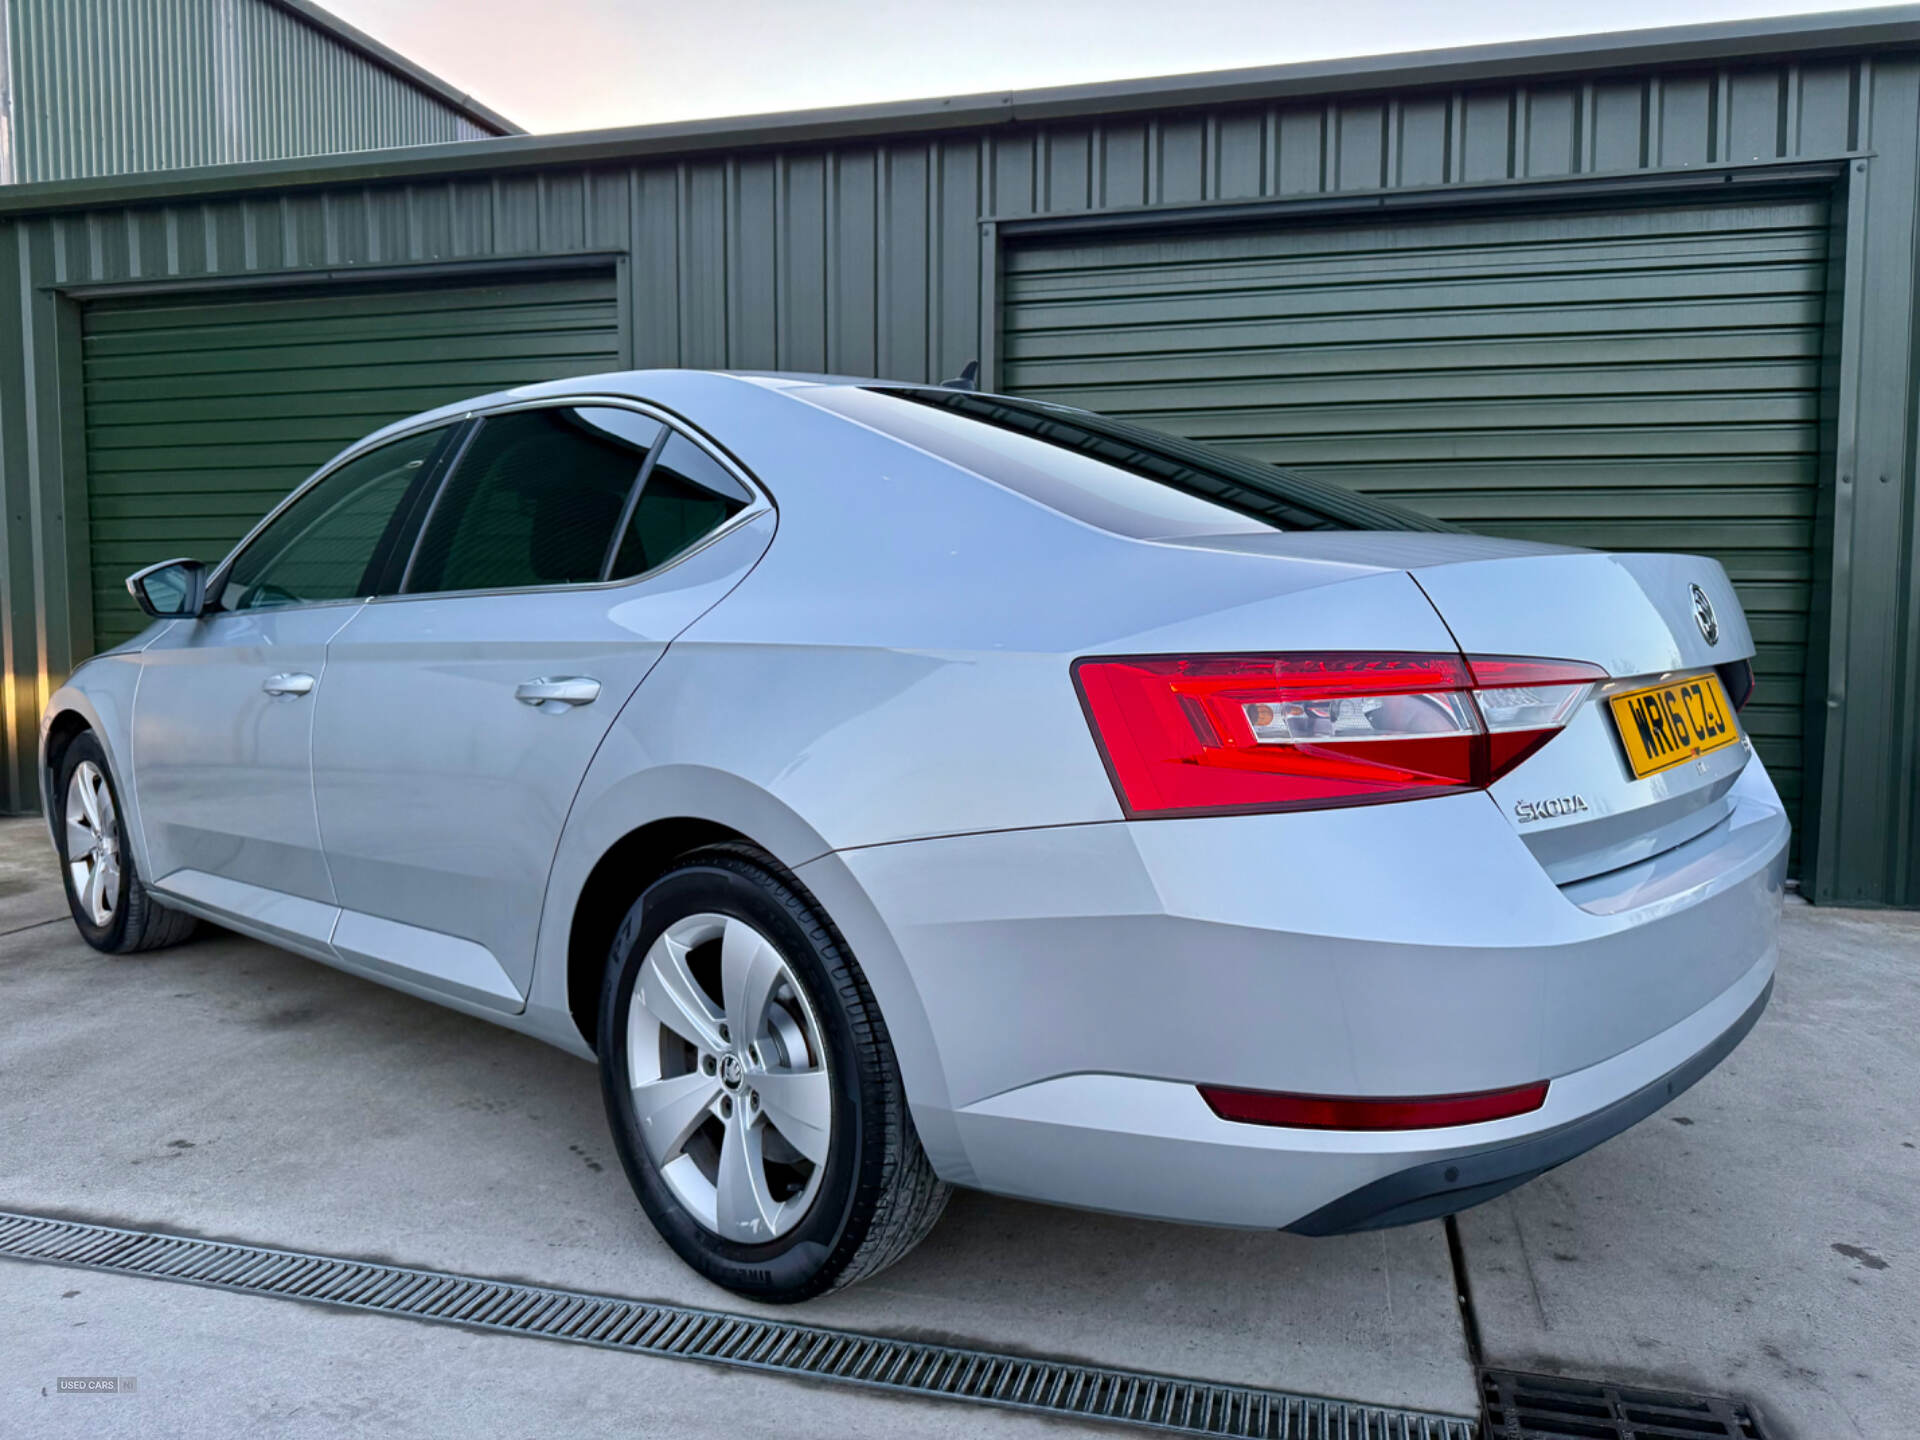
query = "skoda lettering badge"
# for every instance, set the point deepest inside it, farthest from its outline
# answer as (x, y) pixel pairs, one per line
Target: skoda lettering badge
(1553, 809)
(1703, 616)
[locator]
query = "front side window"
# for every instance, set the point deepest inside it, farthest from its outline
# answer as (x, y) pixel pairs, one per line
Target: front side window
(336, 540)
(536, 500)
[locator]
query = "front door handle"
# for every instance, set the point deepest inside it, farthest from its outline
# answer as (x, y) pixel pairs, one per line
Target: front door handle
(293, 684)
(554, 693)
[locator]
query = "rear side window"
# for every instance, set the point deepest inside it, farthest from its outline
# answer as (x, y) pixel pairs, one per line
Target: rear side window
(335, 541)
(1119, 476)
(686, 497)
(536, 500)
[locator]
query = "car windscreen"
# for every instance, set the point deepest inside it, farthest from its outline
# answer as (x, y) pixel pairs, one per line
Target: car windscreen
(1111, 473)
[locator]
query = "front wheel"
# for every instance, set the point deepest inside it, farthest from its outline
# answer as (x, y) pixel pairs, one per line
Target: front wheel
(751, 1087)
(111, 908)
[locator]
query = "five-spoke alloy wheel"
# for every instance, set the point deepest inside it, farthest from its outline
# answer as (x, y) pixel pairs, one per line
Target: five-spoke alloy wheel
(111, 908)
(751, 1087)
(93, 843)
(731, 1092)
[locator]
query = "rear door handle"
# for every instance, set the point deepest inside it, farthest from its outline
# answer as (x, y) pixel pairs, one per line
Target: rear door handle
(293, 684)
(558, 691)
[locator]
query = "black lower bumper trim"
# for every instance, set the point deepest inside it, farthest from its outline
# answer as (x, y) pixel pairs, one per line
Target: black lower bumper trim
(1444, 1187)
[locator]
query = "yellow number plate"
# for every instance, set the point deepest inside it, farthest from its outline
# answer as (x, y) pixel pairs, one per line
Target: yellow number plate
(1667, 725)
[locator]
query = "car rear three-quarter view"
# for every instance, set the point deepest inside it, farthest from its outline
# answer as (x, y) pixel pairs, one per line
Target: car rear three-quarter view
(1440, 858)
(955, 789)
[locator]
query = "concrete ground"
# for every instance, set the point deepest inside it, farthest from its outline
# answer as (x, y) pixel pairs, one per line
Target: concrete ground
(1758, 1237)
(1761, 1235)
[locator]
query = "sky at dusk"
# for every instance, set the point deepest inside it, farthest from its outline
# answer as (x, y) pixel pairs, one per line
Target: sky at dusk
(588, 64)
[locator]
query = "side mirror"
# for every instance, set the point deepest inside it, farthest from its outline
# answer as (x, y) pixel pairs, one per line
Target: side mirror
(171, 590)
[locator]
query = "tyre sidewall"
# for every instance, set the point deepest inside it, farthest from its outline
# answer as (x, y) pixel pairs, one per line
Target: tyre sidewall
(806, 1260)
(111, 937)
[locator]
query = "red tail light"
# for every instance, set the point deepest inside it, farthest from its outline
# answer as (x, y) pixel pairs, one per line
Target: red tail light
(1286, 732)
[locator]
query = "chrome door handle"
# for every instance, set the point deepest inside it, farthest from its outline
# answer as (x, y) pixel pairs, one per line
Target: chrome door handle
(558, 690)
(287, 684)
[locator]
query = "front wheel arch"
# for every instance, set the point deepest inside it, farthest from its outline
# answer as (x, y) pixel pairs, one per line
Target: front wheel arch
(62, 731)
(137, 920)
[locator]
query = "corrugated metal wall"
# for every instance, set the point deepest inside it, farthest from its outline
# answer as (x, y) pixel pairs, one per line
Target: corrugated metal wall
(103, 87)
(1623, 378)
(6, 97)
(868, 257)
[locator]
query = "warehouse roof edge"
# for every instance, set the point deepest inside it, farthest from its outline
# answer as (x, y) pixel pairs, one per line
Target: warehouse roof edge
(1850, 31)
(390, 59)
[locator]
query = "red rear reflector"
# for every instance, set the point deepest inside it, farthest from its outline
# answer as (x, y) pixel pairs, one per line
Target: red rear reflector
(1286, 732)
(1333, 1112)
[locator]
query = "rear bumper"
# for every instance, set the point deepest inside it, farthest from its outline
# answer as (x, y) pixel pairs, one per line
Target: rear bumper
(1151, 1148)
(1077, 984)
(1444, 1187)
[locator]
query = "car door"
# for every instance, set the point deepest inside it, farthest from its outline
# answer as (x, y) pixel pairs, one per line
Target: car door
(568, 545)
(223, 714)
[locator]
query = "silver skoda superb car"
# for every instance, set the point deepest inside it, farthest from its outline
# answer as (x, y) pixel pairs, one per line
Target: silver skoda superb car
(899, 787)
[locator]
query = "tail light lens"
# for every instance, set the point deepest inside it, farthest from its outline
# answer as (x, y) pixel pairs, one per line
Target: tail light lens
(1283, 732)
(1525, 703)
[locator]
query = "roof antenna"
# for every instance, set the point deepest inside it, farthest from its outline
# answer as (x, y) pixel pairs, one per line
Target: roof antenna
(967, 379)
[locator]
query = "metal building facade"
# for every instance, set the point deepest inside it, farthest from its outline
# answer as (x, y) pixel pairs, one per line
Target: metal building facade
(1738, 202)
(104, 87)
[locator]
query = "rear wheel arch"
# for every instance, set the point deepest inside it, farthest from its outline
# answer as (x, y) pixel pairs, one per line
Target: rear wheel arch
(634, 820)
(628, 866)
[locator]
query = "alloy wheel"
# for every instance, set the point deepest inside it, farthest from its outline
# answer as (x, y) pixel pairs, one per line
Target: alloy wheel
(728, 1078)
(93, 843)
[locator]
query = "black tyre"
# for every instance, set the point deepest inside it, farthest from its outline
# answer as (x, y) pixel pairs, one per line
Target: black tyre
(751, 1088)
(112, 909)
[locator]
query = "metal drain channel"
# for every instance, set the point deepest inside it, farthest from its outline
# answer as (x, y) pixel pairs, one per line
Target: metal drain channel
(1060, 1388)
(1520, 1406)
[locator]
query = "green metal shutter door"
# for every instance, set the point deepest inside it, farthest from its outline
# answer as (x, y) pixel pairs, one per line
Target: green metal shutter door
(1633, 380)
(203, 412)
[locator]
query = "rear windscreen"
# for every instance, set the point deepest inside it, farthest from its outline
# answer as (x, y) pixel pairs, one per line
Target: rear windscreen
(1122, 477)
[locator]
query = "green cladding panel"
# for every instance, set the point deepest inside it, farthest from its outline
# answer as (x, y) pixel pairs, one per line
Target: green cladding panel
(202, 413)
(105, 87)
(1632, 379)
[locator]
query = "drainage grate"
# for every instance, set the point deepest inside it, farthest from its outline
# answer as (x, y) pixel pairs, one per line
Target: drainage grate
(1060, 1388)
(1545, 1407)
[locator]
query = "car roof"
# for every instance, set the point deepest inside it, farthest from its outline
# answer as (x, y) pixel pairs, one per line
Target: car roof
(664, 387)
